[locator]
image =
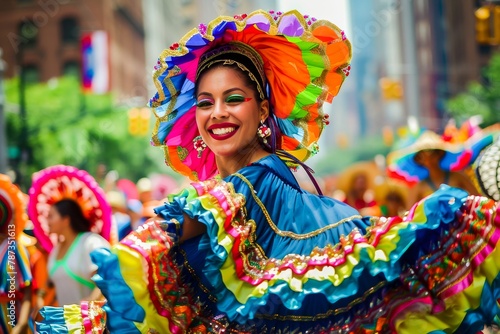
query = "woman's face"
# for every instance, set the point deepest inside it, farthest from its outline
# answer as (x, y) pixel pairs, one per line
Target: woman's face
(429, 158)
(360, 183)
(55, 221)
(228, 113)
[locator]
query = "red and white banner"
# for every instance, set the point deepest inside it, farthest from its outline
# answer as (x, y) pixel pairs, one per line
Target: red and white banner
(95, 62)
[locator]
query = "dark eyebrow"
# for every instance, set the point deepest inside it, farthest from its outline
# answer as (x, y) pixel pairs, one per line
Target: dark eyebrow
(224, 93)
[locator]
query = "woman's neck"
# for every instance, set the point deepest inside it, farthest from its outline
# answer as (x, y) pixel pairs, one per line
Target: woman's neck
(67, 238)
(436, 174)
(232, 164)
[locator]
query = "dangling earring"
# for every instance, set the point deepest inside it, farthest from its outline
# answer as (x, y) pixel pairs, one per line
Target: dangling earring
(199, 145)
(263, 131)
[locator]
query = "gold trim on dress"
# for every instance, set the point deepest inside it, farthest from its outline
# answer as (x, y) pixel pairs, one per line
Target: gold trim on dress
(290, 234)
(326, 314)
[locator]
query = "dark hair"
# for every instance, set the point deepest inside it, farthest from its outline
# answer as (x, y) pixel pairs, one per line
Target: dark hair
(69, 208)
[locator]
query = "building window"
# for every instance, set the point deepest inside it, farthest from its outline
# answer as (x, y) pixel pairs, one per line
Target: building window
(71, 68)
(70, 32)
(29, 33)
(31, 74)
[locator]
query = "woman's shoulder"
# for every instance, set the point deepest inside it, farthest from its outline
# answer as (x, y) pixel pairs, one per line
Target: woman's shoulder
(93, 240)
(270, 166)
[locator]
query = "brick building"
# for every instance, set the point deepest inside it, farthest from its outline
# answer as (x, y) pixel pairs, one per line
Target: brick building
(44, 37)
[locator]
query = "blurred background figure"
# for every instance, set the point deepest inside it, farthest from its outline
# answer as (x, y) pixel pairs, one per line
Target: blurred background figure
(145, 189)
(100, 174)
(425, 160)
(148, 207)
(431, 160)
(15, 274)
(392, 197)
(356, 184)
(71, 218)
(70, 267)
(135, 211)
(128, 188)
(120, 215)
(162, 185)
(359, 195)
(110, 181)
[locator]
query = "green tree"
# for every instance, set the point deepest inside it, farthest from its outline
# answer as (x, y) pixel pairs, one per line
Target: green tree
(66, 127)
(480, 98)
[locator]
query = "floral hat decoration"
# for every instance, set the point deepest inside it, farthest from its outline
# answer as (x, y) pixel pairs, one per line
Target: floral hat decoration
(305, 61)
(55, 183)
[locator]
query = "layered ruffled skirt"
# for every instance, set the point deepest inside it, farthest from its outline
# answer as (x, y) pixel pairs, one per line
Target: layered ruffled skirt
(434, 271)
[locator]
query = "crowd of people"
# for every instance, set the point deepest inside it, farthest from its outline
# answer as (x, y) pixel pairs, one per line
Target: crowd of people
(244, 248)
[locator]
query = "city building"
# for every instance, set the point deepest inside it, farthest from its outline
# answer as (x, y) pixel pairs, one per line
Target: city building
(447, 54)
(44, 37)
(409, 58)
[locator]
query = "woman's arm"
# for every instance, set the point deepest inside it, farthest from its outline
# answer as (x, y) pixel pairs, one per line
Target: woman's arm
(95, 295)
(191, 228)
(24, 313)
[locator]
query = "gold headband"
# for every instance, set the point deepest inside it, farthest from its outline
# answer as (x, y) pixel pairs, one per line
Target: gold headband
(240, 54)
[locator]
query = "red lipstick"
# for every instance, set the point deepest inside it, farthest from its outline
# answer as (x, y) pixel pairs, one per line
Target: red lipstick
(217, 135)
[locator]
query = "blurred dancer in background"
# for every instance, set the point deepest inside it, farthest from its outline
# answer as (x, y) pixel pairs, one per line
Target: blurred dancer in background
(71, 218)
(15, 273)
(70, 267)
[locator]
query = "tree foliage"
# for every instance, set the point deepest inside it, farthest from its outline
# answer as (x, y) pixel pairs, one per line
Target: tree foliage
(480, 98)
(66, 127)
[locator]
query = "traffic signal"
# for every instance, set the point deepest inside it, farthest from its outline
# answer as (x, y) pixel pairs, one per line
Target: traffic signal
(138, 121)
(488, 25)
(391, 89)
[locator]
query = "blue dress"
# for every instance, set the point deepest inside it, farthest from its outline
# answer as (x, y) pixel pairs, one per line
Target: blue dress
(278, 259)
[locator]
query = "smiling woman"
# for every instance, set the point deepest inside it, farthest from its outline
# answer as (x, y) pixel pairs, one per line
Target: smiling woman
(228, 115)
(244, 249)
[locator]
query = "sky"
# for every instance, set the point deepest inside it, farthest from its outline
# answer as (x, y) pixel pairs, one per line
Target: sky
(335, 11)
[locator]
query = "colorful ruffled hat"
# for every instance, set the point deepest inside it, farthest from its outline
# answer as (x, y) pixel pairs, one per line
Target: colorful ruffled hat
(458, 155)
(55, 183)
(305, 62)
(13, 215)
